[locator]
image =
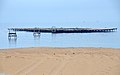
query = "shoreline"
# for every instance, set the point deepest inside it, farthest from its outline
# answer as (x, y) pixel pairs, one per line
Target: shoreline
(57, 47)
(60, 61)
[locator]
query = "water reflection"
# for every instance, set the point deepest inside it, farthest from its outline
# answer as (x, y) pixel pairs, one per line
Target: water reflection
(53, 36)
(37, 39)
(12, 41)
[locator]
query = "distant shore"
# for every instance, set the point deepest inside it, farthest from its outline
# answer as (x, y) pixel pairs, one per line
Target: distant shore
(60, 61)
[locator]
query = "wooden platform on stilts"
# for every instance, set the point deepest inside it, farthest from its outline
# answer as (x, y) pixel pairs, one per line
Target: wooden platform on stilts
(65, 30)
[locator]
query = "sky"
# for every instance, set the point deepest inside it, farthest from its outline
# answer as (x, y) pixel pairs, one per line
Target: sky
(59, 11)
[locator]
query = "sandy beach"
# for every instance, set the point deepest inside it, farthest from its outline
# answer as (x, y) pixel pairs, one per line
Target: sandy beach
(60, 61)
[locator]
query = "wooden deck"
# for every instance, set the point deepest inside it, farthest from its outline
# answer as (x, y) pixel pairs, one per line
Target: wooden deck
(65, 30)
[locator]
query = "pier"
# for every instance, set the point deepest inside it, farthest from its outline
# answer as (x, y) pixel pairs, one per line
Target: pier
(37, 31)
(64, 30)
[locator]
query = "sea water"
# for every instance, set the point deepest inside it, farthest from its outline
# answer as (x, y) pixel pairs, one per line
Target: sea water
(26, 39)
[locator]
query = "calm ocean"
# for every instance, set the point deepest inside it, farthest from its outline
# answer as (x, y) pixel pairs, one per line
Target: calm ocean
(26, 39)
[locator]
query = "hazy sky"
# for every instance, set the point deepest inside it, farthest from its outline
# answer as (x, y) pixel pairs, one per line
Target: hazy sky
(59, 11)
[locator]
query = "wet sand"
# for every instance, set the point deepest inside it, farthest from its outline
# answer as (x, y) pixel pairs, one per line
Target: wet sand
(60, 61)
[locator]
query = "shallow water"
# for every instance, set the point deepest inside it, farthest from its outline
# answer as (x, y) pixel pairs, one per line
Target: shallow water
(26, 39)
